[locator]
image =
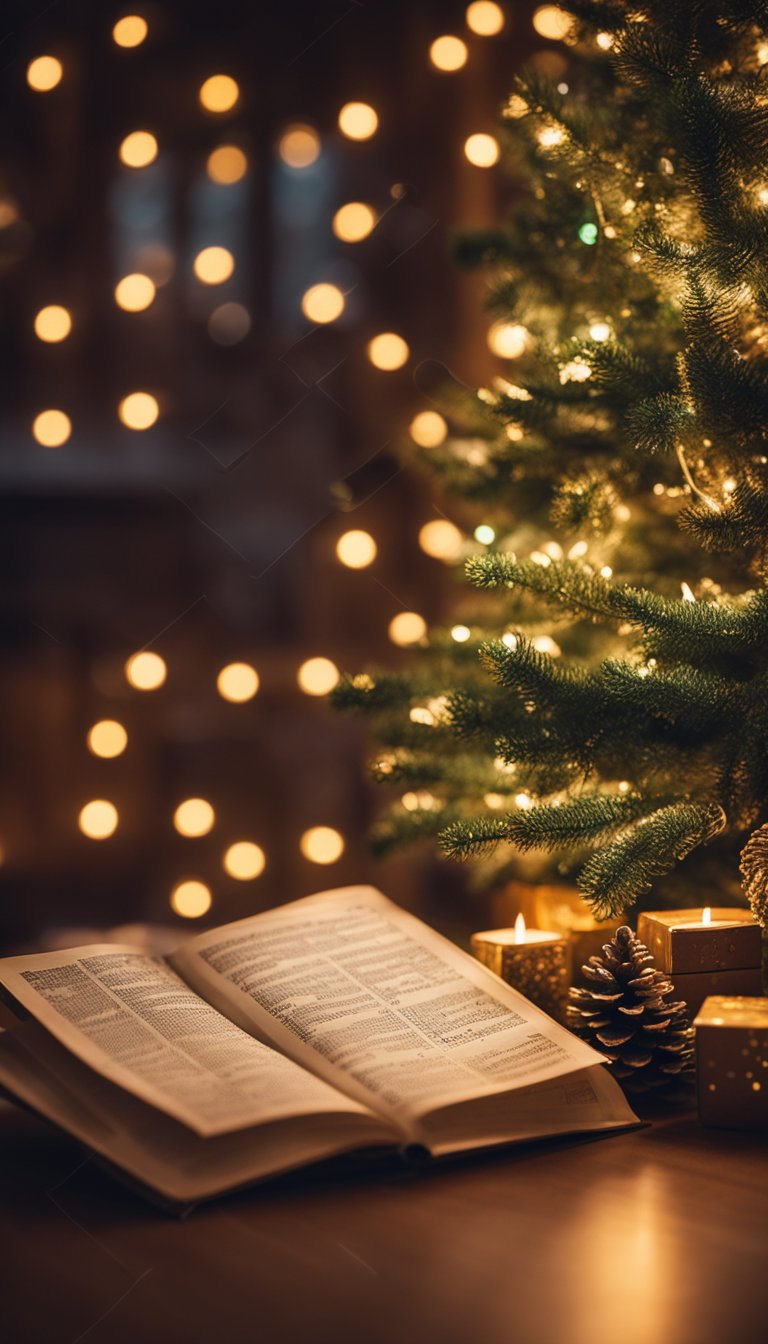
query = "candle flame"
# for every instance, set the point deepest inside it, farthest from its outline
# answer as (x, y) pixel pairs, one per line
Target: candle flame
(520, 928)
(706, 915)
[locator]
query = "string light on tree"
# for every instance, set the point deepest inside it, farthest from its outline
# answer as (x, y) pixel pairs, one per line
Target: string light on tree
(194, 817)
(134, 292)
(428, 429)
(244, 860)
(226, 165)
(322, 844)
(485, 534)
(138, 410)
(441, 539)
(107, 739)
(600, 330)
(460, 633)
(318, 676)
(358, 121)
(448, 53)
(191, 899)
(98, 819)
(299, 146)
(550, 136)
(237, 683)
(356, 549)
(219, 94)
(508, 340)
(407, 627)
(387, 351)
(52, 324)
(130, 31)
(145, 671)
(552, 22)
(51, 428)
(322, 303)
(213, 265)
(482, 150)
(138, 149)
(485, 18)
(353, 222)
(44, 73)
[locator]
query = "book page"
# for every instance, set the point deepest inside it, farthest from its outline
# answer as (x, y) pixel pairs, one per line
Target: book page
(132, 1019)
(378, 1004)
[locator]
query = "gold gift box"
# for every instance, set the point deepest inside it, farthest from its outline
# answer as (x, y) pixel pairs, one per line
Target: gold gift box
(732, 1062)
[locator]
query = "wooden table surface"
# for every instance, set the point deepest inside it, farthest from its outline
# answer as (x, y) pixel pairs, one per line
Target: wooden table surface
(659, 1236)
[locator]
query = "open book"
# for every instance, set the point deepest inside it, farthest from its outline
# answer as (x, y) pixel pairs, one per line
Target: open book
(333, 1025)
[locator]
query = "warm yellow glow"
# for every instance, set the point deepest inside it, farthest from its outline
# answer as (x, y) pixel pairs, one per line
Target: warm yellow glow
(387, 351)
(51, 428)
(706, 915)
(604, 41)
(485, 534)
(687, 592)
(520, 928)
(52, 324)
(356, 549)
(448, 53)
(482, 150)
(299, 146)
(322, 844)
(145, 671)
(441, 539)
(44, 73)
(130, 31)
(322, 303)
(485, 18)
(107, 738)
(600, 331)
(229, 323)
(194, 817)
(134, 292)
(551, 21)
(245, 860)
(219, 93)
(460, 633)
(428, 429)
(546, 644)
(407, 627)
(318, 676)
(191, 899)
(550, 136)
(353, 222)
(508, 340)
(358, 121)
(138, 149)
(226, 164)
(98, 819)
(237, 682)
(213, 265)
(524, 801)
(139, 410)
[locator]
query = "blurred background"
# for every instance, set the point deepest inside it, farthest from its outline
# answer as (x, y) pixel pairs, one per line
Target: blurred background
(227, 297)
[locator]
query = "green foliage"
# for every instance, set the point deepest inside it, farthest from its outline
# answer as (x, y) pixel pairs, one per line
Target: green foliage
(613, 697)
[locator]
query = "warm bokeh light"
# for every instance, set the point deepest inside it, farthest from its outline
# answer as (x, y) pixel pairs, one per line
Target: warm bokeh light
(485, 534)
(229, 323)
(244, 860)
(107, 738)
(448, 53)
(482, 150)
(139, 410)
(318, 676)
(356, 549)
(441, 539)
(191, 899)
(322, 844)
(508, 340)
(485, 18)
(299, 146)
(214, 265)
(194, 817)
(551, 21)
(157, 261)
(460, 633)
(226, 164)
(600, 331)
(407, 627)
(237, 682)
(51, 428)
(358, 121)
(322, 303)
(428, 429)
(134, 292)
(52, 324)
(130, 31)
(219, 93)
(98, 819)
(353, 222)
(44, 73)
(387, 351)
(138, 149)
(145, 671)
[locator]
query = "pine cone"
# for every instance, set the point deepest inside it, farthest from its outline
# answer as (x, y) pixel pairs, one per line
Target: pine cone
(648, 1041)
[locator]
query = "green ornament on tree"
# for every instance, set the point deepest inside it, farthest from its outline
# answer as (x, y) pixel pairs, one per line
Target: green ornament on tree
(625, 1013)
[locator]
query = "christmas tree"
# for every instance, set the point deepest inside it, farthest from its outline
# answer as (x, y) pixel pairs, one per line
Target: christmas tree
(604, 696)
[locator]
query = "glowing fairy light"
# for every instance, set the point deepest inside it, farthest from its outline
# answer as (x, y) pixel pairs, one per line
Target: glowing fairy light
(219, 93)
(145, 671)
(138, 410)
(485, 534)
(44, 73)
(51, 428)
(318, 676)
(358, 121)
(407, 627)
(588, 233)
(237, 683)
(226, 165)
(552, 22)
(523, 801)
(551, 136)
(441, 539)
(460, 633)
(356, 549)
(604, 41)
(484, 18)
(299, 146)
(545, 644)
(353, 222)
(387, 351)
(428, 429)
(129, 31)
(482, 150)
(322, 844)
(191, 899)
(575, 371)
(138, 149)
(323, 303)
(52, 324)
(508, 340)
(687, 592)
(600, 331)
(194, 817)
(244, 860)
(98, 819)
(107, 739)
(448, 53)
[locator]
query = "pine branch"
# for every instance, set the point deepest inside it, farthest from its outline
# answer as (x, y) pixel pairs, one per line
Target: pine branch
(576, 822)
(566, 584)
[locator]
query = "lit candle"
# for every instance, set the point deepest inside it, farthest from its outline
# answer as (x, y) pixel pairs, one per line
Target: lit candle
(732, 1062)
(705, 951)
(533, 961)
